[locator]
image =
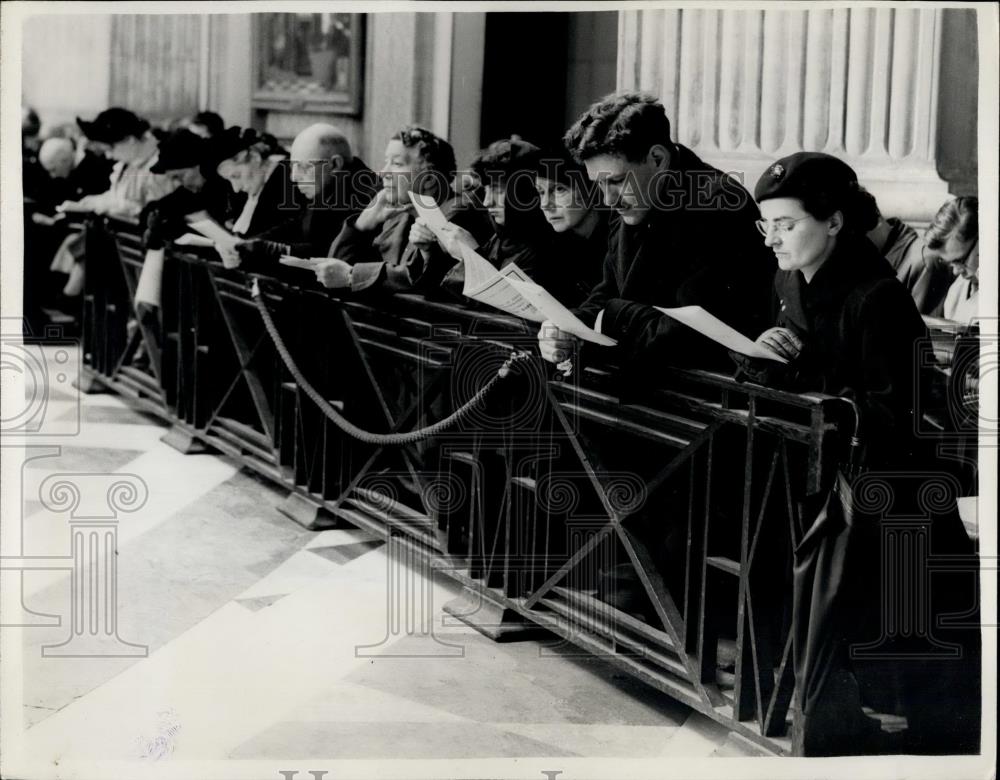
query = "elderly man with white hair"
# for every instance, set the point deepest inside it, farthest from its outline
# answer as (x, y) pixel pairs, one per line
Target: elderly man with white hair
(337, 184)
(58, 157)
(67, 178)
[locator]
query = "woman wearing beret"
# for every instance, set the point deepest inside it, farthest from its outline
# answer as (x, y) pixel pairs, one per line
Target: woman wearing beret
(849, 328)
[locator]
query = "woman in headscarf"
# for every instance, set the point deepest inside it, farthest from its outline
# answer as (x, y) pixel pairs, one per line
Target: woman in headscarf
(849, 328)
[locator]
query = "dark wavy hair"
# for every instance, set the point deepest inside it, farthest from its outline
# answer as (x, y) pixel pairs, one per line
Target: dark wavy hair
(437, 156)
(959, 216)
(511, 163)
(626, 123)
(435, 152)
(858, 206)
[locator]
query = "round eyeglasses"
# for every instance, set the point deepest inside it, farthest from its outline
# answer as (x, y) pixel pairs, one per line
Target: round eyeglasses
(781, 226)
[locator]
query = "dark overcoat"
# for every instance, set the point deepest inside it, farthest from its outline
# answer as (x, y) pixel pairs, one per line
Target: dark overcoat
(697, 246)
(860, 331)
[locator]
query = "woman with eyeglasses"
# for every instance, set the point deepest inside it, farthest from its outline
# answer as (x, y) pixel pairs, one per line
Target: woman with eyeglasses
(849, 328)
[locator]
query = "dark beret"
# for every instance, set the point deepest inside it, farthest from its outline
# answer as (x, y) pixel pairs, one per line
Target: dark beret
(113, 125)
(804, 175)
(503, 158)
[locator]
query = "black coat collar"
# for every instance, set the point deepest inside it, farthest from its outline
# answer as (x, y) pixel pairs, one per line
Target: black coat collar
(854, 261)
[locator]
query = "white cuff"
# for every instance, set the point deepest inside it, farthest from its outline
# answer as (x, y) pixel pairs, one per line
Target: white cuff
(599, 320)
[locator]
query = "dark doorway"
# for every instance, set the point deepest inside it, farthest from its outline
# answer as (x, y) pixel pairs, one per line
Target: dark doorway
(541, 69)
(524, 76)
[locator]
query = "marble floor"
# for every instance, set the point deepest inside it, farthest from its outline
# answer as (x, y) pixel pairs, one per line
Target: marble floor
(241, 637)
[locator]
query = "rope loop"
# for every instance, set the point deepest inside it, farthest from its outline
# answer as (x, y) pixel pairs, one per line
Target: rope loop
(380, 439)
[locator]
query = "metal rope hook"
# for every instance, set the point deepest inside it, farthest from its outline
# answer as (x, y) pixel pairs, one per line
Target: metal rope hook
(346, 425)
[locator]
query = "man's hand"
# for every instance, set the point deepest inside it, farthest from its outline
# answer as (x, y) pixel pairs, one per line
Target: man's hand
(376, 213)
(230, 258)
(782, 342)
(556, 345)
(454, 237)
(334, 273)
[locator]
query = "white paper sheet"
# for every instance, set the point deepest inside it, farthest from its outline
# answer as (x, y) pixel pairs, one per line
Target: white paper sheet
(711, 326)
(429, 212)
(484, 284)
(308, 263)
(478, 271)
(558, 314)
(150, 285)
(209, 228)
(511, 290)
(193, 239)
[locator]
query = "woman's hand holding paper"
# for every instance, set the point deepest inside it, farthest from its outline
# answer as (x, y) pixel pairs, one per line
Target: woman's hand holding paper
(229, 256)
(454, 237)
(782, 342)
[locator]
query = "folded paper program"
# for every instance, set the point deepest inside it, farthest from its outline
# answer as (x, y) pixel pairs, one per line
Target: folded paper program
(511, 290)
(429, 212)
(711, 326)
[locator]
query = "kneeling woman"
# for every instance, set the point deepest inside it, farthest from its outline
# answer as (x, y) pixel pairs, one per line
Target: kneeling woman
(579, 219)
(506, 172)
(849, 328)
(257, 169)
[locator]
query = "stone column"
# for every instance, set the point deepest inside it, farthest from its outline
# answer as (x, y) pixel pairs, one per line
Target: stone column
(743, 87)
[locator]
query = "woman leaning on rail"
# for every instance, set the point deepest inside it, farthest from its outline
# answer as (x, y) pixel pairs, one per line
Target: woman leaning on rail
(849, 328)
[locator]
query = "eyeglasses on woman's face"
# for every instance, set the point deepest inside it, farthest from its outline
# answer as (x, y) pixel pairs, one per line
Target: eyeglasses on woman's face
(780, 226)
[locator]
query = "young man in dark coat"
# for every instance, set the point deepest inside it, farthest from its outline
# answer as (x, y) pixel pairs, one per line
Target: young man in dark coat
(336, 185)
(683, 234)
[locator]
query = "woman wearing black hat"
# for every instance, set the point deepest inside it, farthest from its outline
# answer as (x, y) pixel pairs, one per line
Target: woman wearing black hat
(849, 328)
(134, 149)
(190, 161)
(257, 169)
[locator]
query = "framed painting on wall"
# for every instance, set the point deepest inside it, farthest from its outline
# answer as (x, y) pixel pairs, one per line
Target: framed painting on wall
(309, 62)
